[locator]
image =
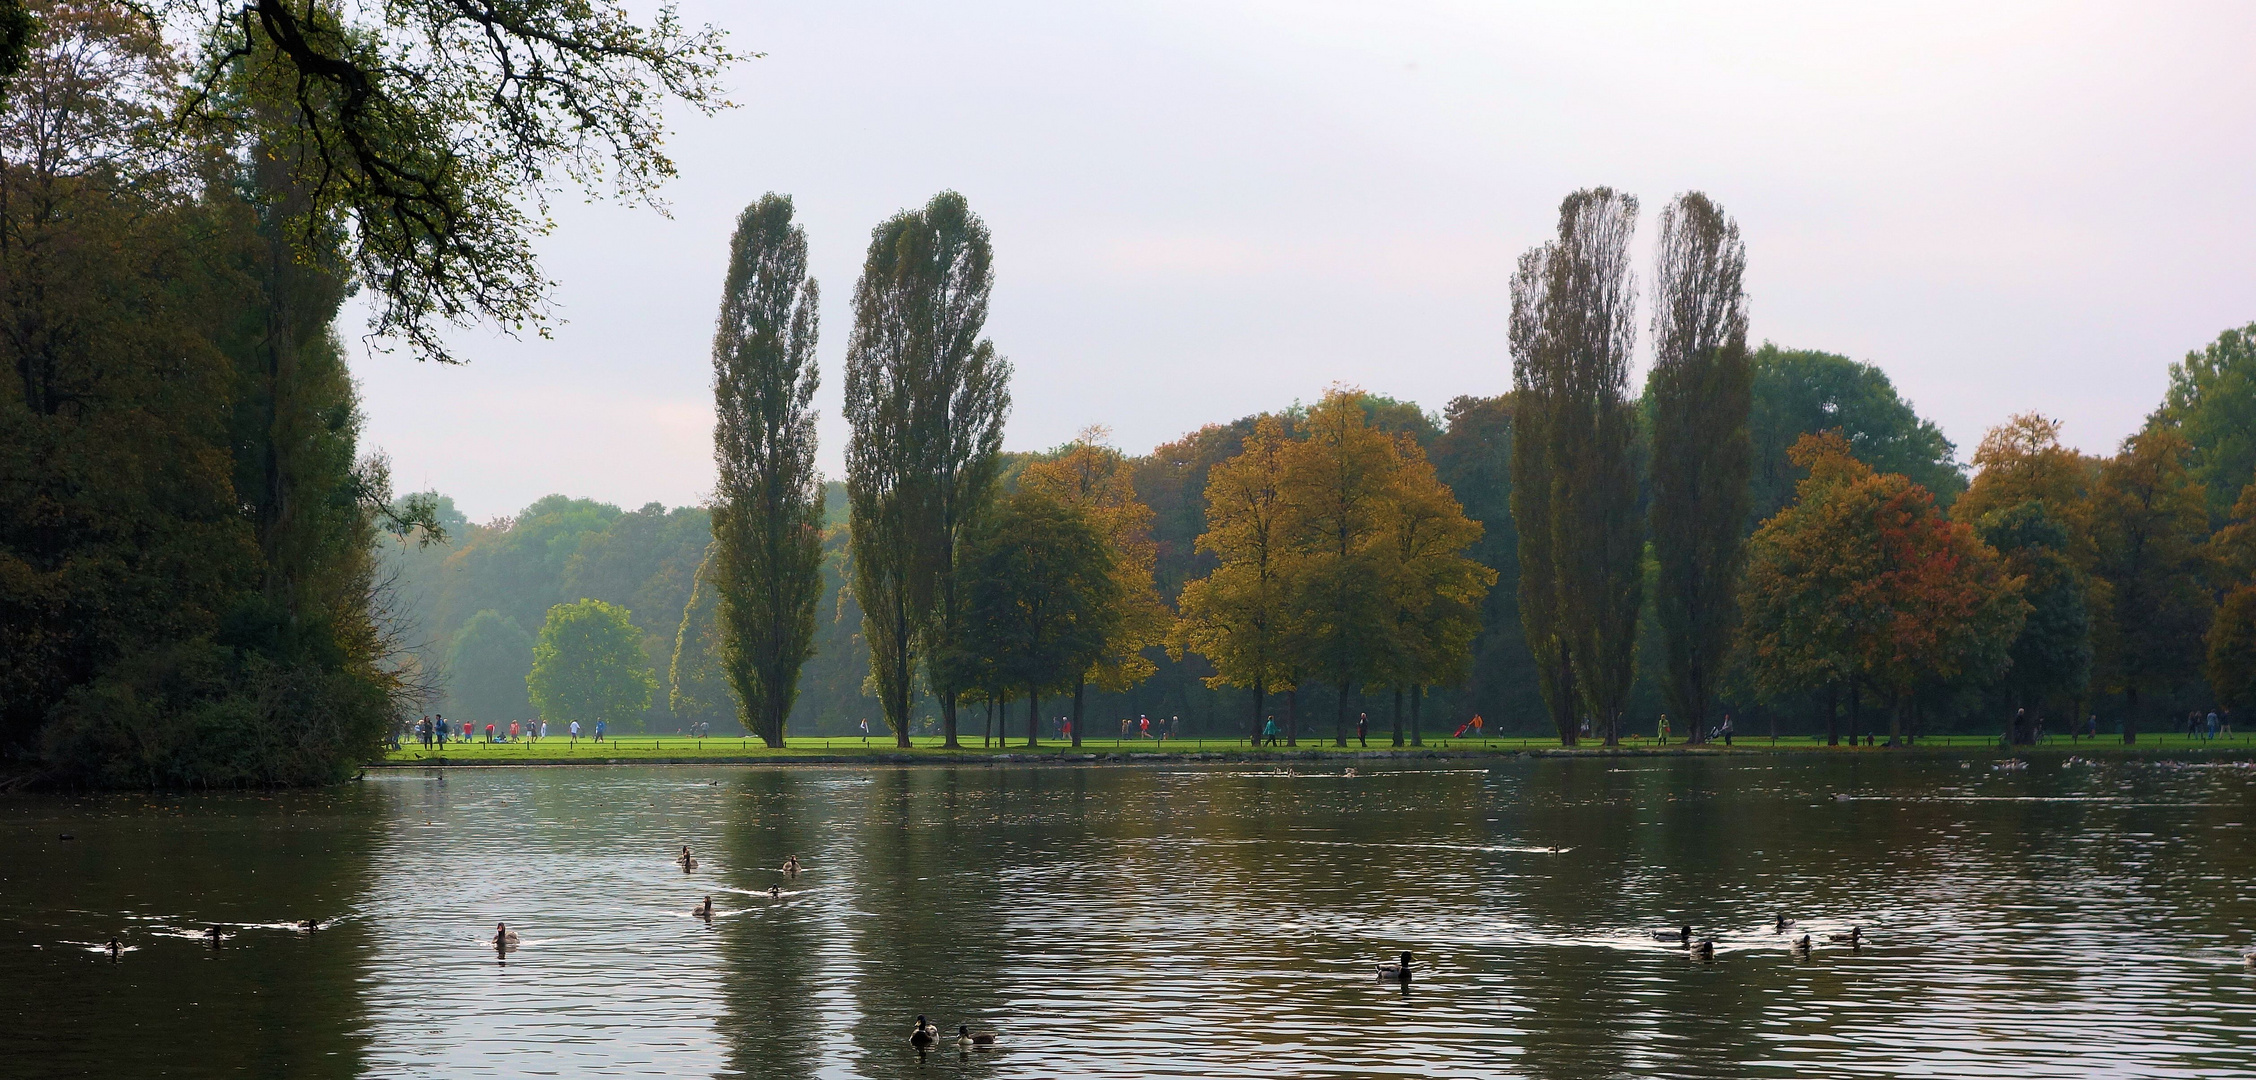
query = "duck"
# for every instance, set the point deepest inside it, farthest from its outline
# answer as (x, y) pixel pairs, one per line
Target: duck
(1852, 939)
(309, 925)
(504, 937)
(925, 1034)
(704, 910)
(215, 936)
(791, 866)
(1704, 949)
(114, 947)
(968, 1037)
(688, 862)
(1397, 971)
(1681, 937)
(1802, 945)
(2248, 956)
(1782, 924)
(775, 892)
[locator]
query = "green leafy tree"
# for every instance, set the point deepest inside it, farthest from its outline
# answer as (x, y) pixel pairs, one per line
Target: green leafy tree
(1798, 392)
(2149, 523)
(768, 500)
(1041, 598)
(487, 663)
(426, 137)
(2212, 401)
(1474, 458)
(1094, 478)
(1700, 388)
(2052, 655)
(589, 666)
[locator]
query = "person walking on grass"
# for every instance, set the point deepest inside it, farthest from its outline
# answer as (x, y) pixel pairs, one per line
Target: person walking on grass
(1363, 728)
(1268, 732)
(599, 731)
(575, 734)
(865, 731)
(1727, 729)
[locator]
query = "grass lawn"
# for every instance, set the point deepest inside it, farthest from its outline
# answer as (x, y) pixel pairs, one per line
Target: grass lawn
(676, 747)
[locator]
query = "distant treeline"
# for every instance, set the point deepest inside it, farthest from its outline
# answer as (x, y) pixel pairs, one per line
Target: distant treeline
(560, 549)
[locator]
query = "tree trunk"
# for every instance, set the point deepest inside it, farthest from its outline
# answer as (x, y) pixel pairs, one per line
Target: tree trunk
(1833, 715)
(1078, 685)
(1292, 717)
(948, 721)
(987, 730)
(1033, 716)
(1856, 712)
(2130, 713)
(1895, 721)
(1259, 685)
(1417, 733)
(1398, 716)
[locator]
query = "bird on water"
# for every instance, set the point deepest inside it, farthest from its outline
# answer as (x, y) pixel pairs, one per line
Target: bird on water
(1396, 971)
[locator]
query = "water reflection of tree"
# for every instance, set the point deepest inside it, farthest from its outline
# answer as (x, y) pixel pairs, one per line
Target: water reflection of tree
(771, 969)
(929, 889)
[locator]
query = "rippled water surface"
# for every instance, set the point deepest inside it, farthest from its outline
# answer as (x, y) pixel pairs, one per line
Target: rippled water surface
(2066, 920)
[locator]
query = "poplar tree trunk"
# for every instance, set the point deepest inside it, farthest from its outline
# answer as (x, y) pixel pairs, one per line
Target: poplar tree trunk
(1398, 716)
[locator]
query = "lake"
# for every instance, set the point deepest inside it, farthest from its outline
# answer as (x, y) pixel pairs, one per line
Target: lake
(1190, 920)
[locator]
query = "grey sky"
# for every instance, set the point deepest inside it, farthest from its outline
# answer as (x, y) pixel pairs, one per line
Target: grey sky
(1201, 210)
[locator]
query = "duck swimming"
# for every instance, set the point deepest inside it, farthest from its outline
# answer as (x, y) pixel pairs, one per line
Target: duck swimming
(504, 937)
(215, 936)
(1852, 939)
(1802, 946)
(791, 866)
(968, 1037)
(309, 925)
(688, 862)
(1782, 924)
(1704, 950)
(704, 910)
(925, 1035)
(1397, 971)
(114, 947)
(1681, 937)
(775, 892)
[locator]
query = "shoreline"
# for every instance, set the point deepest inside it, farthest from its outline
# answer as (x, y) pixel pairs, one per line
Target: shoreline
(1067, 756)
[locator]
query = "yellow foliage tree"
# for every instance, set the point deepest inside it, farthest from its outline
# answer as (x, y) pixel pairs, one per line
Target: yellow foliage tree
(1236, 616)
(1094, 478)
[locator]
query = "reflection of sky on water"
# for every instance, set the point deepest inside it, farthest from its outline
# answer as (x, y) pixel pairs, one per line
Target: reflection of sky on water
(1136, 922)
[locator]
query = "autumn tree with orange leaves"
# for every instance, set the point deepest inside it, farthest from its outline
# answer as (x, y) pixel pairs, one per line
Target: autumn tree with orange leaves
(1862, 583)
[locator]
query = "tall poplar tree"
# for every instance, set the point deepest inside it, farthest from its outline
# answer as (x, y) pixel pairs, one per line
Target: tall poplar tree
(767, 502)
(1701, 389)
(1535, 389)
(885, 480)
(956, 419)
(926, 398)
(1579, 299)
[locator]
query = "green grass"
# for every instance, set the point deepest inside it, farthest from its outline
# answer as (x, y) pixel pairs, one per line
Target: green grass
(676, 747)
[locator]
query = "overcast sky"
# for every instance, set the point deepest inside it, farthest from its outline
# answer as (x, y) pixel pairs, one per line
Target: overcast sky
(1202, 210)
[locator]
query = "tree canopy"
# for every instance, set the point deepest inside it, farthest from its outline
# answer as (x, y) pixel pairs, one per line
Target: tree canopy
(589, 666)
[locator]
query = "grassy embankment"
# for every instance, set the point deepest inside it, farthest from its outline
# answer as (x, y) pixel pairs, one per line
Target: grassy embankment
(634, 748)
